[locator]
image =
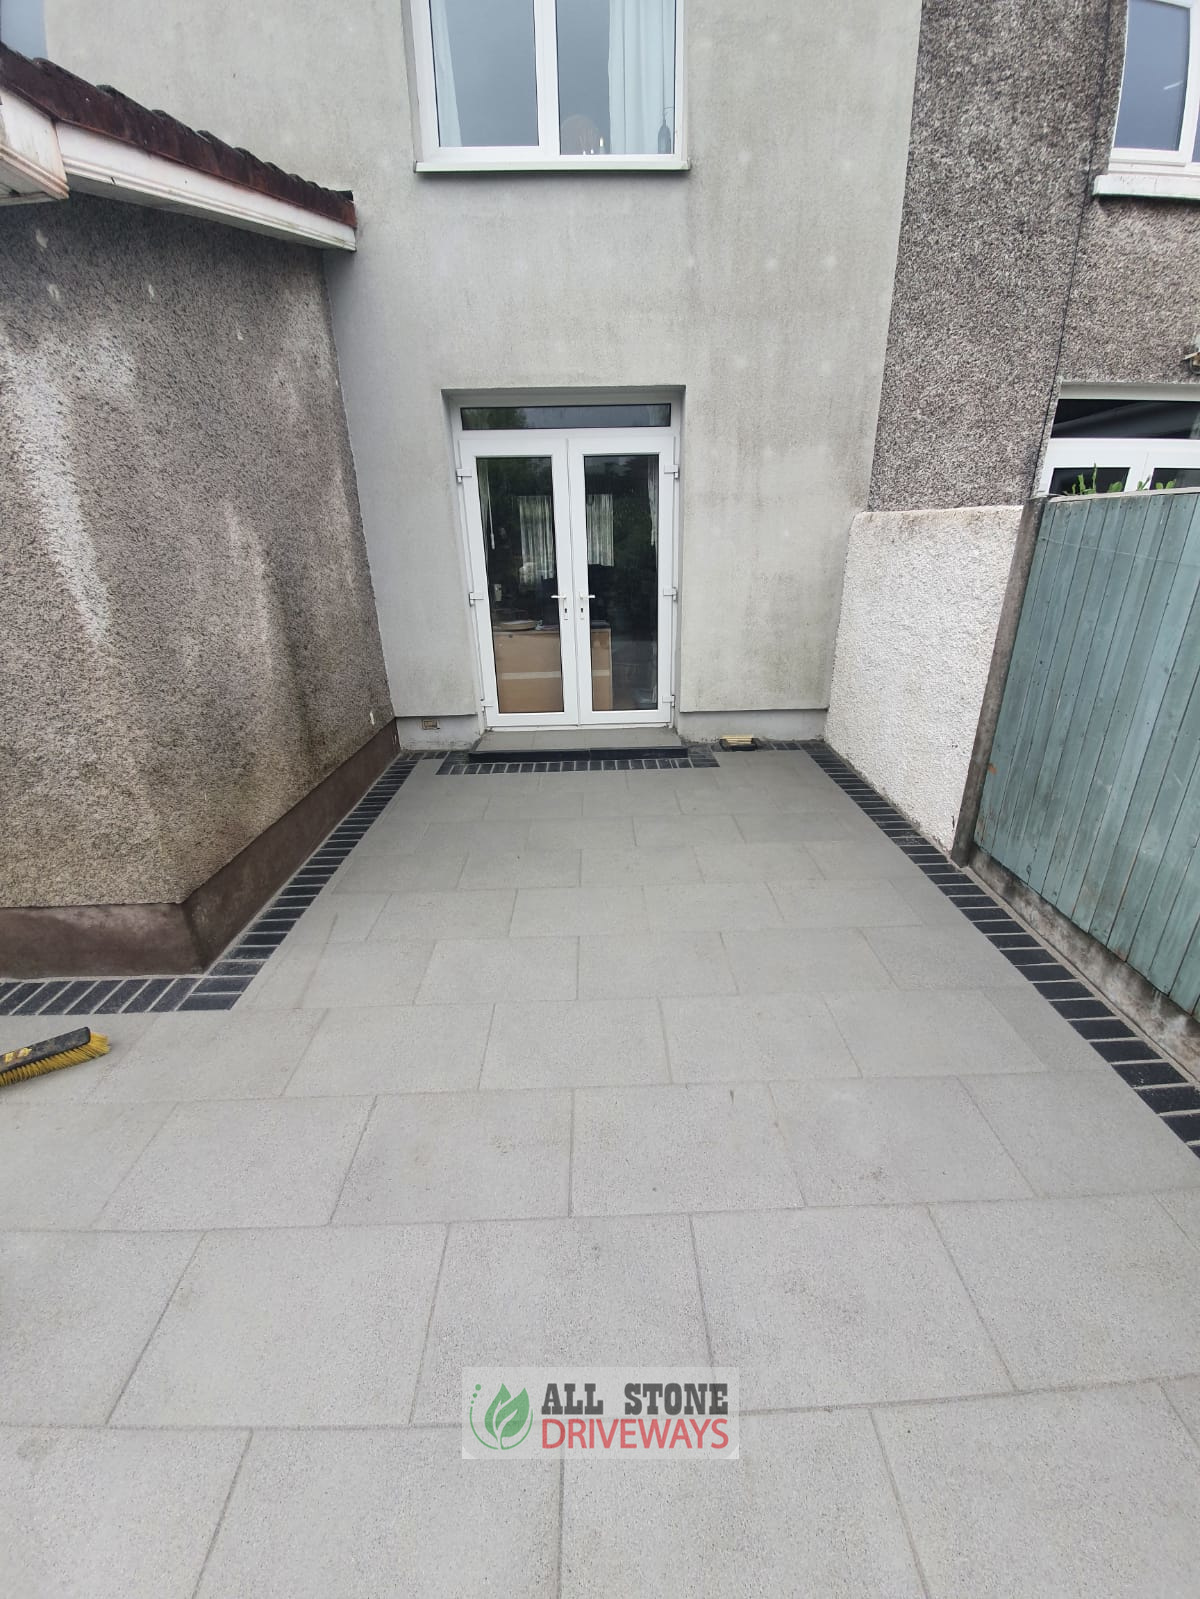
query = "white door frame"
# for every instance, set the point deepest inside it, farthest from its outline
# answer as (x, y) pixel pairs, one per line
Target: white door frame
(566, 450)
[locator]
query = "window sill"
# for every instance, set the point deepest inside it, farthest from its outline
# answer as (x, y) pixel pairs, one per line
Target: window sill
(561, 163)
(1152, 183)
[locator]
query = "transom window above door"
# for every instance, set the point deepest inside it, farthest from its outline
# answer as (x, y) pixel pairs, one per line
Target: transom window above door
(1156, 147)
(523, 84)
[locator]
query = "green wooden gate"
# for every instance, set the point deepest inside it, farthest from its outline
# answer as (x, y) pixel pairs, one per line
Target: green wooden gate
(1092, 795)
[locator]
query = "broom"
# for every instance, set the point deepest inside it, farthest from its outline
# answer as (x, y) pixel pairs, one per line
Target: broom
(51, 1055)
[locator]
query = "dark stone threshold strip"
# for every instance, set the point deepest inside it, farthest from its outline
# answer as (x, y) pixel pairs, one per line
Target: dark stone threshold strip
(457, 764)
(1158, 1084)
(226, 981)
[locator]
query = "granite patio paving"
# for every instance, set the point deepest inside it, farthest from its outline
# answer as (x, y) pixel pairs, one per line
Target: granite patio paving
(658, 1067)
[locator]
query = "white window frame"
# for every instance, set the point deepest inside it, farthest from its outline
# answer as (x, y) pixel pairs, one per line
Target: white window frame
(1166, 174)
(1139, 456)
(544, 156)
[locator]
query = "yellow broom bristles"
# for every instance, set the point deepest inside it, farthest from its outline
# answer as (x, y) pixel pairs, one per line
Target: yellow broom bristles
(54, 1063)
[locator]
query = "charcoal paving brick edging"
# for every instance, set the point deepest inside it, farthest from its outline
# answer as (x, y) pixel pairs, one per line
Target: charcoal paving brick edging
(226, 981)
(1157, 1083)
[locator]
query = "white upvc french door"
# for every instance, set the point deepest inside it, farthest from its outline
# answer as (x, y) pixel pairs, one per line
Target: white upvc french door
(622, 488)
(572, 564)
(522, 583)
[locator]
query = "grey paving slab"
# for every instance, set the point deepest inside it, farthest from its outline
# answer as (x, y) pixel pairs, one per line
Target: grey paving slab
(1080, 1290)
(678, 1147)
(639, 795)
(756, 863)
(912, 1034)
(726, 796)
(610, 1290)
(457, 1157)
(792, 827)
(394, 1049)
(739, 1038)
(800, 960)
(668, 832)
(842, 904)
(1185, 1209)
(317, 1326)
(715, 907)
(575, 1043)
(614, 908)
(402, 873)
(1075, 1495)
(360, 1515)
(110, 1515)
(653, 965)
(281, 983)
(491, 835)
(338, 919)
(931, 906)
(75, 1313)
(893, 1141)
(547, 804)
(210, 1055)
(462, 970)
(591, 832)
(368, 974)
(1184, 1394)
(445, 913)
(671, 864)
(840, 1307)
(806, 1510)
(527, 868)
(862, 855)
(60, 1161)
(241, 1163)
(1052, 1039)
(942, 957)
(1084, 1133)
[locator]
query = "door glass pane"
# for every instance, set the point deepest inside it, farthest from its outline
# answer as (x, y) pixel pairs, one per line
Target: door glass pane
(1154, 87)
(621, 508)
(616, 77)
(483, 63)
(1175, 477)
(516, 502)
(1088, 479)
(478, 418)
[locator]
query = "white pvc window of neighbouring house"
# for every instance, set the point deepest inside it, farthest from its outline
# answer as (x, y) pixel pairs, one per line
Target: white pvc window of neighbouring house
(548, 83)
(1160, 87)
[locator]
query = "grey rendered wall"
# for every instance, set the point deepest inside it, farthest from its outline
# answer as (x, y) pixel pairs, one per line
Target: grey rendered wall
(189, 643)
(1011, 278)
(760, 282)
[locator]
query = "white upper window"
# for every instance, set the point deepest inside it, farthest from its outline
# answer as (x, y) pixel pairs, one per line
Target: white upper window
(1160, 89)
(530, 83)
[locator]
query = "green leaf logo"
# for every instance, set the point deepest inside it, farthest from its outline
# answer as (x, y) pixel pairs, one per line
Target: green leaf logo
(507, 1417)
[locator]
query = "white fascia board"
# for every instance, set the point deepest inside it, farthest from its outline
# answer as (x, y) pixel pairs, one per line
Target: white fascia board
(31, 166)
(117, 171)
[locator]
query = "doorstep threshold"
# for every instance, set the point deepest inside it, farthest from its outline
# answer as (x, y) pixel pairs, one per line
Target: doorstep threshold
(603, 752)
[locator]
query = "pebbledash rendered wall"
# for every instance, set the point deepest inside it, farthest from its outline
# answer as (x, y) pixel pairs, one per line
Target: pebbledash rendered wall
(190, 643)
(1011, 279)
(758, 282)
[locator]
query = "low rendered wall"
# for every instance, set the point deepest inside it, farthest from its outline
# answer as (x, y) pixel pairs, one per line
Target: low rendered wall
(190, 644)
(920, 606)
